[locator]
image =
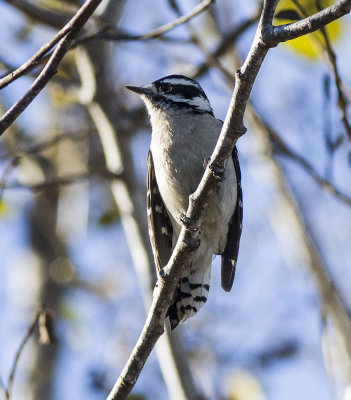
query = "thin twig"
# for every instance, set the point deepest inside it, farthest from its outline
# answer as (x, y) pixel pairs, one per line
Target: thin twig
(29, 333)
(61, 180)
(279, 144)
(101, 33)
(32, 10)
(227, 40)
(73, 28)
(342, 103)
(154, 33)
(37, 57)
(211, 60)
(273, 35)
(282, 148)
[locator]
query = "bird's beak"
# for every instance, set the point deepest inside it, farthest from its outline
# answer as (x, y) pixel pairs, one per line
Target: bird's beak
(139, 90)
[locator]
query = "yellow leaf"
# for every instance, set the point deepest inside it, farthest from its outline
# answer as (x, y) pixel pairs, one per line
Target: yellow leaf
(311, 45)
(3, 208)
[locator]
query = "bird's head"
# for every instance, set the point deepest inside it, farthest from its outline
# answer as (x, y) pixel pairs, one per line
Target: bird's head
(174, 94)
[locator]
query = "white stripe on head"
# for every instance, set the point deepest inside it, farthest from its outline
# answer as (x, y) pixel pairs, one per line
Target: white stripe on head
(198, 101)
(179, 81)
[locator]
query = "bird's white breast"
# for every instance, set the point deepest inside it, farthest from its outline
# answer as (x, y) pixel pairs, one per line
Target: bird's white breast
(179, 146)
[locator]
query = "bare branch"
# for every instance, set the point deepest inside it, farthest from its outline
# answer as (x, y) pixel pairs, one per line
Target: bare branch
(273, 35)
(19, 351)
(104, 34)
(228, 40)
(73, 28)
(59, 181)
(342, 102)
(233, 128)
(33, 10)
(342, 98)
(35, 60)
(281, 147)
(113, 127)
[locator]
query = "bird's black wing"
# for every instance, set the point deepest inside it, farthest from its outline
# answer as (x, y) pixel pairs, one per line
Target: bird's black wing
(230, 254)
(160, 227)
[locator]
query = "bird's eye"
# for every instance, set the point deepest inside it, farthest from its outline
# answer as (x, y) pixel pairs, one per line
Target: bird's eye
(166, 87)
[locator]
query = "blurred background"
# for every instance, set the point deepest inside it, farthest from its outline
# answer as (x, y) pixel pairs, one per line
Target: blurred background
(73, 235)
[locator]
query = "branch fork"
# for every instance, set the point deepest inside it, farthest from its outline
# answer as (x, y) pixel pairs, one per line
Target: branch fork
(267, 36)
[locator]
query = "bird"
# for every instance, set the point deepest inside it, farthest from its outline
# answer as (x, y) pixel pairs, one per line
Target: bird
(184, 134)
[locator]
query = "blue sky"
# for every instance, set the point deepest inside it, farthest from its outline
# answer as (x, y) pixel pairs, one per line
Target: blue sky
(273, 304)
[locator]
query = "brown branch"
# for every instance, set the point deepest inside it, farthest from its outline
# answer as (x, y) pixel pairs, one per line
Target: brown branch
(73, 28)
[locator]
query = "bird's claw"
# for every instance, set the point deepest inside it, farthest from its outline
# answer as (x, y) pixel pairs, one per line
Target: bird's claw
(192, 243)
(188, 222)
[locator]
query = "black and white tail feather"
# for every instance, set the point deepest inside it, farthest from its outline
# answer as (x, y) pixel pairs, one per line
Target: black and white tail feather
(180, 114)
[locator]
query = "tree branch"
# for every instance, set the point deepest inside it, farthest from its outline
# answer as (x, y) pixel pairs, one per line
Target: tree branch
(73, 28)
(273, 35)
(233, 128)
(113, 126)
(8, 391)
(102, 34)
(342, 100)
(32, 10)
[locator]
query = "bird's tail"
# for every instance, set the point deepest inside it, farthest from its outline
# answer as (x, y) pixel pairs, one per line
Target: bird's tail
(190, 295)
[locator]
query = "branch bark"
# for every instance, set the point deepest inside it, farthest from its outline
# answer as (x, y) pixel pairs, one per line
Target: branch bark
(266, 37)
(273, 35)
(69, 32)
(102, 34)
(112, 124)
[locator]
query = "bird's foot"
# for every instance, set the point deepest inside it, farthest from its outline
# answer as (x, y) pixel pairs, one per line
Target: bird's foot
(189, 223)
(192, 238)
(193, 243)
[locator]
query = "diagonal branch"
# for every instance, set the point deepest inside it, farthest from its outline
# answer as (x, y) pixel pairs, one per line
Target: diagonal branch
(8, 391)
(233, 128)
(32, 10)
(154, 33)
(71, 31)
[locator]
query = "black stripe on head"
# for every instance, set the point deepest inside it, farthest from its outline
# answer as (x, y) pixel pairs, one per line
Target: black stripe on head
(182, 92)
(188, 92)
(180, 84)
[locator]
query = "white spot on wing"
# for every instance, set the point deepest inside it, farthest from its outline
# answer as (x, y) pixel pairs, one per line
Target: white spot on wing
(159, 209)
